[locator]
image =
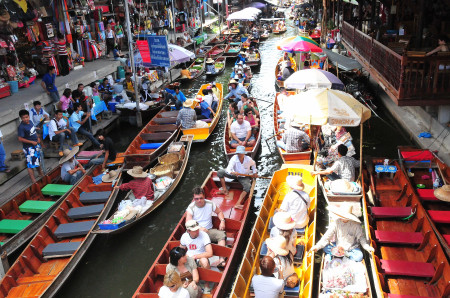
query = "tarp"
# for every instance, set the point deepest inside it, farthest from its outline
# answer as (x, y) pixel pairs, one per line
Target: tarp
(343, 62)
(272, 19)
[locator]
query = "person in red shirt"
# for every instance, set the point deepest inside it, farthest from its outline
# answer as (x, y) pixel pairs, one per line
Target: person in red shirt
(141, 187)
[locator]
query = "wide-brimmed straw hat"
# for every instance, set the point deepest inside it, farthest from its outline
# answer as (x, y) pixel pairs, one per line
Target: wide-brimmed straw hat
(278, 245)
(68, 154)
(209, 60)
(137, 172)
(341, 186)
(443, 193)
(345, 211)
(283, 221)
(295, 182)
(110, 176)
(192, 225)
(240, 150)
(233, 81)
(188, 103)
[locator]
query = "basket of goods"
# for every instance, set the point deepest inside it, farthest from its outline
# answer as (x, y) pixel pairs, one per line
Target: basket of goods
(162, 170)
(177, 147)
(170, 159)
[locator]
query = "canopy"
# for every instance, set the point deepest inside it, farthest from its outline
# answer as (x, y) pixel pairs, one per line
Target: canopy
(343, 62)
(313, 78)
(247, 14)
(257, 5)
(326, 106)
(272, 19)
(299, 44)
(177, 54)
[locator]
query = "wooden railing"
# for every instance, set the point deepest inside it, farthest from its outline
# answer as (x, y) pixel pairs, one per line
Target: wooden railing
(410, 80)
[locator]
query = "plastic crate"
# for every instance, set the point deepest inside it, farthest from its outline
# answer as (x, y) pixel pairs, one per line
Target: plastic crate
(111, 226)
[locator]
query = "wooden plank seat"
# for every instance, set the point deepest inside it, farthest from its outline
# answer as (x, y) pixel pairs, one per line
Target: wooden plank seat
(405, 296)
(166, 127)
(85, 212)
(426, 194)
(13, 226)
(169, 114)
(94, 197)
(391, 237)
(390, 212)
(74, 229)
(407, 268)
(55, 189)
(156, 136)
(150, 146)
(32, 206)
(60, 249)
(442, 217)
(168, 120)
(420, 155)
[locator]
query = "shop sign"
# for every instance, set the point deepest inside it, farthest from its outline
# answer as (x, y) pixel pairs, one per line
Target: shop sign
(159, 50)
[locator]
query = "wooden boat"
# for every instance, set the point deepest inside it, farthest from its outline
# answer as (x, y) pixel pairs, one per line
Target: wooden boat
(146, 114)
(233, 50)
(160, 196)
(304, 264)
(204, 51)
(216, 40)
(202, 134)
(235, 221)
(250, 151)
(58, 247)
(279, 83)
(27, 211)
(219, 64)
(252, 61)
(422, 168)
(303, 157)
(197, 68)
(217, 51)
(409, 260)
(279, 31)
(152, 140)
(263, 37)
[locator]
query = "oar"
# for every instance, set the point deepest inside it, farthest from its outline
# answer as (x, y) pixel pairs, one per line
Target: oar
(251, 176)
(263, 100)
(265, 108)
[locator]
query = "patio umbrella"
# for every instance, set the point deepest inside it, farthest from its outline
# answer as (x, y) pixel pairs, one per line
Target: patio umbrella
(313, 78)
(299, 44)
(179, 54)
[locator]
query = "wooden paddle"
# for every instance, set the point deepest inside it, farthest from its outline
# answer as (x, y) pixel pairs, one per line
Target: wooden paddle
(251, 176)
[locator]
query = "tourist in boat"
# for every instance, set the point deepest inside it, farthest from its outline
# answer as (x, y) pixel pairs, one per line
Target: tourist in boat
(31, 141)
(252, 119)
(231, 113)
(185, 73)
(210, 67)
(187, 269)
(267, 285)
(346, 232)
(205, 109)
(250, 104)
(58, 130)
(241, 168)
(179, 95)
(241, 58)
(247, 73)
(235, 71)
(142, 193)
(71, 169)
(210, 98)
(277, 248)
(294, 139)
(287, 71)
(285, 226)
(242, 102)
(77, 121)
(38, 114)
(236, 90)
(108, 153)
(241, 133)
(197, 243)
(173, 286)
(186, 116)
(216, 92)
(343, 168)
(202, 211)
(296, 202)
(282, 99)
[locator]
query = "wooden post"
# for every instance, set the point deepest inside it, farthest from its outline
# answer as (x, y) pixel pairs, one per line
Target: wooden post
(361, 144)
(4, 265)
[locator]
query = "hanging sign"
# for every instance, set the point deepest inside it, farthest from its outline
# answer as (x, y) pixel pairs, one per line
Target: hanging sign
(159, 50)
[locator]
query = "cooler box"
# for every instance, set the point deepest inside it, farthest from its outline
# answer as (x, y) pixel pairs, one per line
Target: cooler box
(112, 106)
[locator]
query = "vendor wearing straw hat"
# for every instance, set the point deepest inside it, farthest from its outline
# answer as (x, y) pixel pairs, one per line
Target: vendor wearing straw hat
(210, 68)
(186, 116)
(347, 231)
(71, 169)
(296, 202)
(343, 168)
(141, 187)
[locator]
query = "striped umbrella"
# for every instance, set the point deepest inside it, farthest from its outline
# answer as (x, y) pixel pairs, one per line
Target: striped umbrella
(299, 44)
(313, 78)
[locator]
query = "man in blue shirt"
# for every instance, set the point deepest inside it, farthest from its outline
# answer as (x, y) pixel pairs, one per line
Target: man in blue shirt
(236, 90)
(48, 84)
(179, 95)
(206, 111)
(77, 121)
(38, 113)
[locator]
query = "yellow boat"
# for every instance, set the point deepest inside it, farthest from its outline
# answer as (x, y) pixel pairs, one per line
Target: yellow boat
(202, 134)
(278, 188)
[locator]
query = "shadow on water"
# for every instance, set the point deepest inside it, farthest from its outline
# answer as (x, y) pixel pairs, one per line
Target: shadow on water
(114, 266)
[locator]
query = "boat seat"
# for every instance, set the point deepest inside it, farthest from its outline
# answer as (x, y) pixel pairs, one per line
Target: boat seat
(299, 231)
(420, 155)
(13, 226)
(442, 217)
(150, 146)
(87, 154)
(447, 238)
(94, 197)
(426, 194)
(74, 229)
(390, 212)
(167, 127)
(405, 296)
(292, 292)
(298, 257)
(406, 268)
(169, 114)
(32, 206)
(60, 249)
(85, 212)
(168, 120)
(156, 136)
(390, 237)
(55, 189)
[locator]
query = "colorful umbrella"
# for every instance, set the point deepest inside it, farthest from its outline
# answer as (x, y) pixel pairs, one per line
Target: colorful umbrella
(299, 44)
(313, 78)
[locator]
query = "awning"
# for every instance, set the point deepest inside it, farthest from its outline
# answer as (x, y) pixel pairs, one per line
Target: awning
(343, 62)
(272, 19)
(354, 2)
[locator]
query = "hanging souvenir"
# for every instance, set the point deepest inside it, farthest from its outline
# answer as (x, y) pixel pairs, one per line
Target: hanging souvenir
(50, 33)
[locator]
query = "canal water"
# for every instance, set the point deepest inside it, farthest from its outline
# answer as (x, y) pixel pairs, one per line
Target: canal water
(115, 265)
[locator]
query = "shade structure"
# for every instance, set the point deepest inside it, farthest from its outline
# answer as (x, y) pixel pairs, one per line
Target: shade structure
(290, 39)
(247, 14)
(177, 54)
(313, 78)
(299, 44)
(257, 5)
(326, 106)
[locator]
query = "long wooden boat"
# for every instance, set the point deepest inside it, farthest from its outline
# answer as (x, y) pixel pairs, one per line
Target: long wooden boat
(160, 196)
(304, 265)
(423, 168)
(152, 140)
(409, 260)
(218, 50)
(303, 157)
(263, 36)
(219, 64)
(203, 51)
(233, 50)
(279, 83)
(202, 134)
(26, 212)
(58, 247)
(197, 68)
(250, 151)
(235, 220)
(146, 114)
(216, 40)
(253, 62)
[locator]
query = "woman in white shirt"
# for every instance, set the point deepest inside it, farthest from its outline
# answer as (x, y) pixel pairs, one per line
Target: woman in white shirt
(266, 285)
(172, 286)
